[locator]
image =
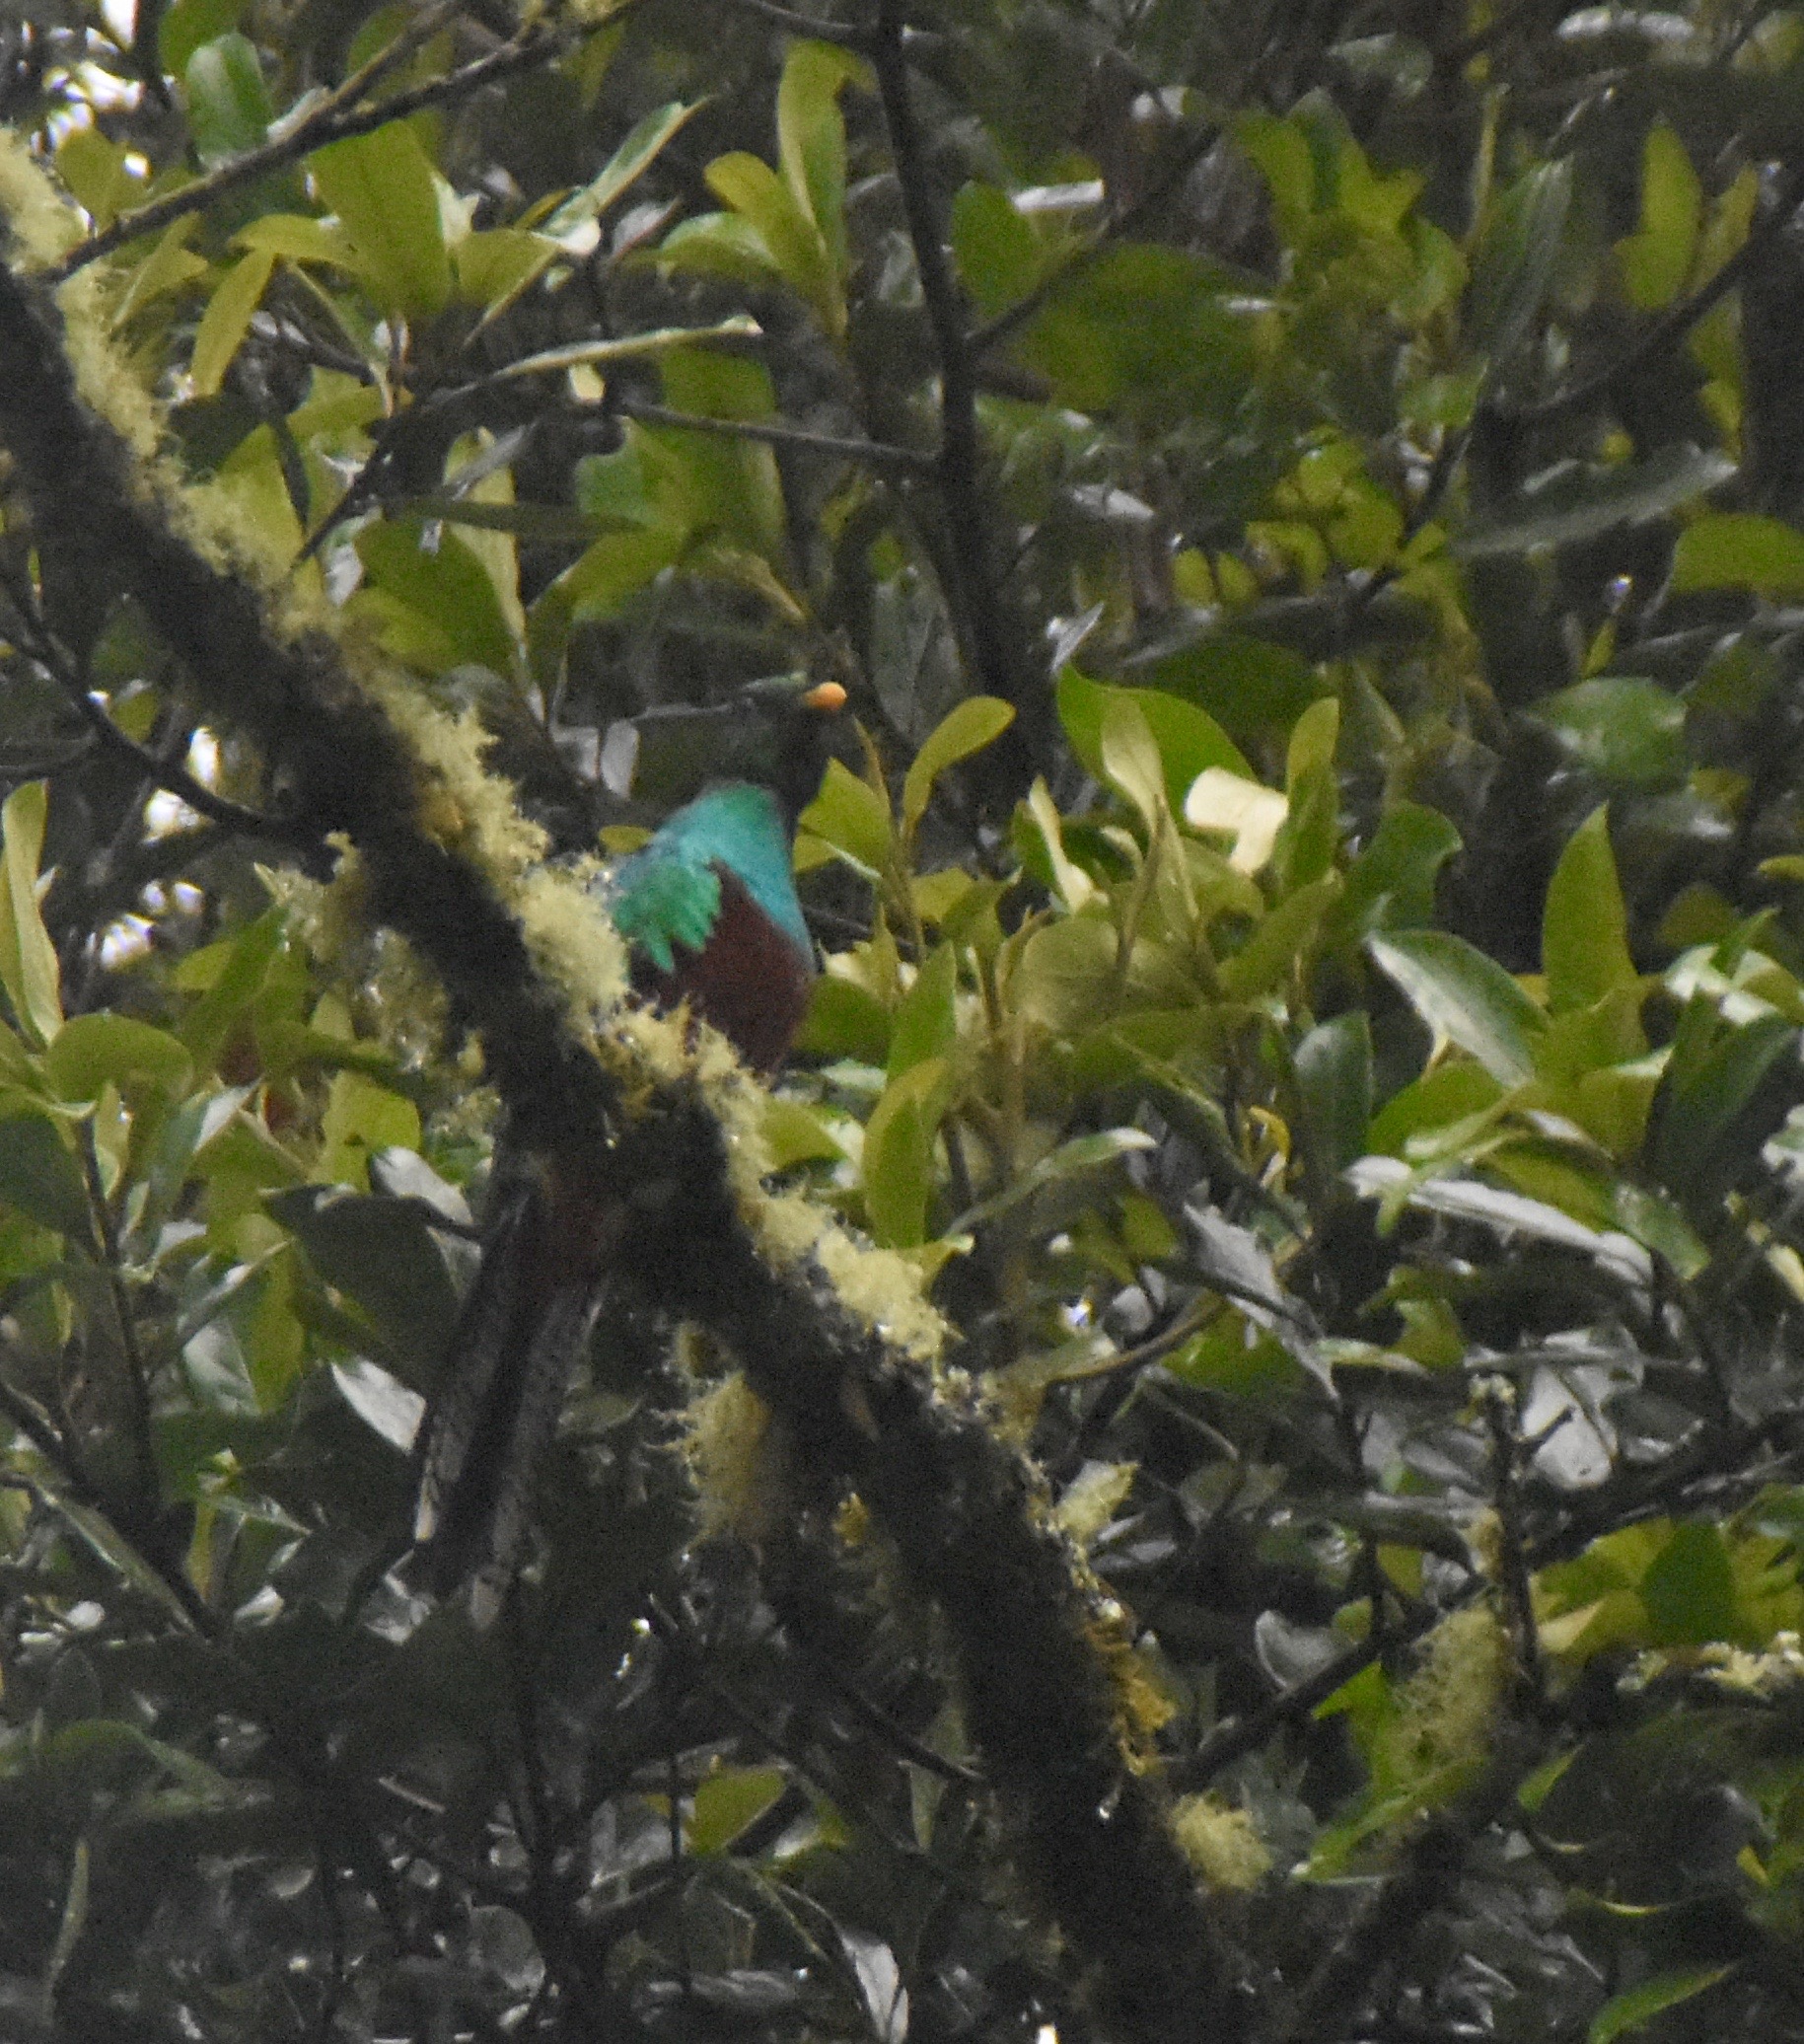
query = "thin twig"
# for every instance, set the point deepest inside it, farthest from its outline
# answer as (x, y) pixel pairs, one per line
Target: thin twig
(1506, 1452)
(137, 1378)
(848, 35)
(1671, 327)
(874, 454)
(43, 647)
(333, 120)
(977, 608)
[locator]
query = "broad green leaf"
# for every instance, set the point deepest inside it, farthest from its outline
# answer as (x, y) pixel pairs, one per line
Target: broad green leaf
(726, 1802)
(381, 186)
(975, 723)
(381, 1253)
(1131, 760)
(1740, 549)
(1689, 1591)
(1514, 260)
(298, 236)
(29, 967)
(999, 258)
(614, 568)
(1392, 884)
(1465, 999)
(720, 245)
(1584, 932)
(360, 1119)
(39, 1175)
(191, 23)
(1571, 503)
(811, 135)
(1334, 1068)
(1251, 686)
(1144, 329)
(849, 815)
(94, 1052)
(1066, 973)
(1282, 941)
(1188, 739)
(795, 1135)
(1636, 2006)
(729, 487)
(1627, 731)
(95, 171)
(760, 198)
(1251, 815)
(448, 586)
(236, 968)
(898, 1160)
(1657, 257)
(1711, 1077)
(845, 1020)
(229, 104)
(227, 320)
(926, 1022)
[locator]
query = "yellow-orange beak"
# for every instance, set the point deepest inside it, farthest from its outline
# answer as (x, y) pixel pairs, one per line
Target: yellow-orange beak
(825, 696)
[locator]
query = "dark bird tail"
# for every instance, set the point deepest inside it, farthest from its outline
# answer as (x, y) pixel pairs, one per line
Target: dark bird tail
(514, 1350)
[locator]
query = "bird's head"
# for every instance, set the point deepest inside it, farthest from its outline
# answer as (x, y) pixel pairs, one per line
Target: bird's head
(779, 732)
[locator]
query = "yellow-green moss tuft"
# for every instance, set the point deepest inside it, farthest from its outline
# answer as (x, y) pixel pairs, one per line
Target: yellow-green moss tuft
(1221, 1843)
(46, 227)
(740, 1457)
(1448, 1707)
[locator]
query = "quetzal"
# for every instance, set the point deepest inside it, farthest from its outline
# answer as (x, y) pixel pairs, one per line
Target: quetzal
(710, 911)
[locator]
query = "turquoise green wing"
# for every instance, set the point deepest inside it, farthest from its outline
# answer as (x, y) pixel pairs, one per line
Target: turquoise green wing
(660, 898)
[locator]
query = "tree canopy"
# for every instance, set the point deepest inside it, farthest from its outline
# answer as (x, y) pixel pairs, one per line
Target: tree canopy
(1218, 1457)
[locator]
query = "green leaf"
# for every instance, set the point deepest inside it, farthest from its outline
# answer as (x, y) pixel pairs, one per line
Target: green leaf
(29, 967)
(1188, 739)
(381, 186)
(1515, 257)
(976, 722)
(229, 104)
(1740, 549)
(381, 1253)
(1145, 329)
(448, 586)
(1130, 760)
(1584, 932)
(573, 222)
(726, 1802)
(999, 258)
(811, 135)
(1711, 1077)
(1249, 686)
(1334, 1068)
(1627, 731)
(191, 23)
(1689, 1591)
(1657, 257)
(845, 1020)
(1636, 2006)
(851, 817)
(360, 1119)
(93, 1051)
(227, 320)
(39, 1175)
(898, 1155)
(1571, 501)
(926, 1021)
(1390, 885)
(1465, 999)
(789, 236)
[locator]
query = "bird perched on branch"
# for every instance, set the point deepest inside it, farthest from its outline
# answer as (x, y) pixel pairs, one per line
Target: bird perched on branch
(712, 918)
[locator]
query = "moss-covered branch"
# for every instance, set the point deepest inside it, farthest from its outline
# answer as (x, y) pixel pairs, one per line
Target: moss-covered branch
(834, 1338)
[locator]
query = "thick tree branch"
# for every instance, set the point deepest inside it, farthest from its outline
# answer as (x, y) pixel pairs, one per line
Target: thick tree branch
(979, 611)
(1036, 1641)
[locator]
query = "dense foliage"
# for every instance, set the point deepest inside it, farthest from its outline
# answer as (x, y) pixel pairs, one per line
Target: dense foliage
(1308, 502)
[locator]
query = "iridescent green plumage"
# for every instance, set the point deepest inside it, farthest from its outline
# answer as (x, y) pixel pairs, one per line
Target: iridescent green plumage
(667, 896)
